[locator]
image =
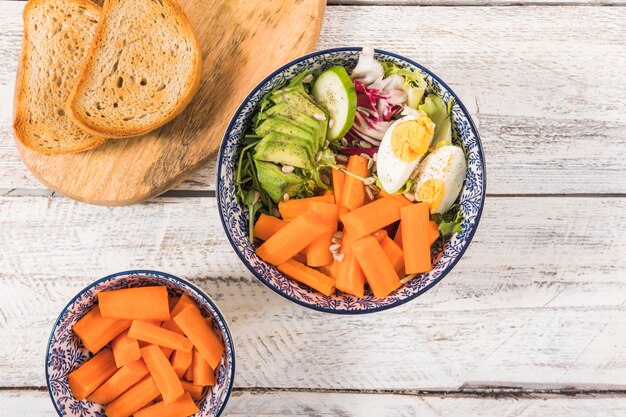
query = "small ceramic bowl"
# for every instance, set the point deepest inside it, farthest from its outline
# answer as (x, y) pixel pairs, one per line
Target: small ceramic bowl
(446, 252)
(66, 353)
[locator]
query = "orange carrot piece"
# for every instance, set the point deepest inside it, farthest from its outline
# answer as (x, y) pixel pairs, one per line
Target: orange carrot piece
(380, 273)
(183, 302)
(195, 390)
(201, 334)
(125, 349)
(401, 198)
(189, 374)
(369, 218)
(162, 372)
(353, 195)
(203, 374)
(125, 377)
(394, 254)
(267, 226)
(181, 361)
(159, 336)
(96, 331)
(93, 373)
(133, 399)
(331, 270)
(142, 303)
(291, 239)
(415, 238)
(182, 407)
(308, 276)
(317, 253)
(380, 235)
(350, 278)
(171, 326)
(339, 179)
(291, 209)
(166, 351)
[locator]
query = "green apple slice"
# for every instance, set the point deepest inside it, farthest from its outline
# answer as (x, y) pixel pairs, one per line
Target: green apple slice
(335, 91)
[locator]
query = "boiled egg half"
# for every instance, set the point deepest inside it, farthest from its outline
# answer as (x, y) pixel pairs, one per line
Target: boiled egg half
(440, 178)
(402, 148)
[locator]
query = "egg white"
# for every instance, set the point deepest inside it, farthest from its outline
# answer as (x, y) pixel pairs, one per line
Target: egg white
(392, 171)
(448, 165)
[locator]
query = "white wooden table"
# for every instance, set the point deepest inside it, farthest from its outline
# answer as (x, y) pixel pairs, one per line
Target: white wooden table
(532, 321)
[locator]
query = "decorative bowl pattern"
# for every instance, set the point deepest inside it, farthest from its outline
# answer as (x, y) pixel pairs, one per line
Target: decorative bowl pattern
(446, 253)
(65, 351)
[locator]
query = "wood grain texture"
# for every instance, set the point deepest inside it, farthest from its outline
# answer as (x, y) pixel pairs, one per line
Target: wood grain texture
(242, 41)
(549, 110)
(538, 300)
(17, 403)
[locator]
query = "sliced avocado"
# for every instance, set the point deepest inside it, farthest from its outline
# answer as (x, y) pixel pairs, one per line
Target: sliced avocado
(285, 126)
(318, 127)
(284, 150)
(299, 102)
(276, 182)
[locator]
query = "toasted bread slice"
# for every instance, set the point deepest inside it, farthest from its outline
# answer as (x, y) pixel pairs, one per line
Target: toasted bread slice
(143, 69)
(57, 35)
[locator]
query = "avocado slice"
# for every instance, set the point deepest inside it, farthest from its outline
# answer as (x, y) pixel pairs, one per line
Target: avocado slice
(285, 126)
(299, 102)
(276, 182)
(284, 150)
(318, 127)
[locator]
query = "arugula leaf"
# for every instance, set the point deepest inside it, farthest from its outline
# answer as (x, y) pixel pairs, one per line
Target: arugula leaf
(449, 222)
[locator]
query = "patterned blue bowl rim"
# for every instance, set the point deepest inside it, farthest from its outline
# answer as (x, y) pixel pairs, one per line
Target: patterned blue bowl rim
(176, 279)
(313, 55)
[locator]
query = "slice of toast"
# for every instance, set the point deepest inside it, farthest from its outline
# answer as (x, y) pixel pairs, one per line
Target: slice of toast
(142, 70)
(57, 35)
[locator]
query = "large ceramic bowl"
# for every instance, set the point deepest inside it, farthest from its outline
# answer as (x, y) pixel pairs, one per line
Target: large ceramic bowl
(66, 353)
(446, 253)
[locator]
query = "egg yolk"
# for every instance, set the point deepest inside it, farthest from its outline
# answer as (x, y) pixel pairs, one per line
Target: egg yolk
(410, 139)
(431, 193)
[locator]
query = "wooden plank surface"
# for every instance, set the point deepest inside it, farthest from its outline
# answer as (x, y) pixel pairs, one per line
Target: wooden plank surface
(290, 404)
(532, 78)
(538, 300)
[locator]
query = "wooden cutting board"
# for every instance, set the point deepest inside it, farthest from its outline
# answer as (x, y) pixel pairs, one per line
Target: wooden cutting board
(242, 42)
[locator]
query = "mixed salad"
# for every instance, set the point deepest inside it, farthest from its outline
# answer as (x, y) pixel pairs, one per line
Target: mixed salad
(349, 178)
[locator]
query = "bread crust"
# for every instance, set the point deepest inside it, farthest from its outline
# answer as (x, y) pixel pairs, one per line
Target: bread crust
(87, 68)
(20, 126)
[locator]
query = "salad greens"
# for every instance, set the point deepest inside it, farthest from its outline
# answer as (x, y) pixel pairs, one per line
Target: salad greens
(414, 82)
(449, 222)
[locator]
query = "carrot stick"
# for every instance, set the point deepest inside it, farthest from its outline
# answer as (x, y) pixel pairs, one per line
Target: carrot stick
(291, 239)
(291, 209)
(380, 273)
(166, 351)
(181, 361)
(308, 276)
(159, 336)
(331, 270)
(189, 373)
(371, 217)
(350, 278)
(183, 302)
(125, 349)
(143, 303)
(353, 195)
(125, 377)
(318, 253)
(415, 238)
(201, 334)
(195, 390)
(133, 399)
(380, 235)
(394, 254)
(171, 303)
(182, 407)
(93, 373)
(266, 226)
(402, 199)
(162, 372)
(339, 179)
(96, 331)
(203, 374)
